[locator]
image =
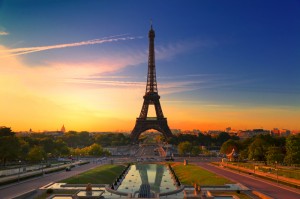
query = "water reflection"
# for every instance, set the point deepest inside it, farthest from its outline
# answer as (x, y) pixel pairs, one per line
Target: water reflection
(156, 175)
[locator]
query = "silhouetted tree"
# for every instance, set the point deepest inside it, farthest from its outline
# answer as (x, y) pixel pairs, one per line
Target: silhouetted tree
(275, 154)
(184, 148)
(36, 154)
(96, 150)
(292, 150)
(229, 145)
(9, 145)
(6, 131)
(258, 148)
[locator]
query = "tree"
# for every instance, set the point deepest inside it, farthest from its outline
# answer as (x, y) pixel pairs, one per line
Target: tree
(6, 131)
(9, 148)
(275, 154)
(221, 138)
(244, 148)
(184, 148)
(9, 145)
(72, 139)
(258, 149)
(203, 140)
(195, 150)
(48, 144)
(96, 150)
(24, 149)
(61, 148)
(80, 152)
(84, 139)
(292, 146)
(227, 146)
(36, 154)
(173, 140)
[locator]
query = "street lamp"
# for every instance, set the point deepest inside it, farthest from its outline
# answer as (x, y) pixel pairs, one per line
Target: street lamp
(276, 169)
(254, 167)
(19, 170)
(42, 167)
(238, 165)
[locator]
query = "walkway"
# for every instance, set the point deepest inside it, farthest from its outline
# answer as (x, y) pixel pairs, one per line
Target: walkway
(274, 190)
(16, 189)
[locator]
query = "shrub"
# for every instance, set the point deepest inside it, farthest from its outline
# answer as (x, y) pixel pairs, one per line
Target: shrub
(49, 191)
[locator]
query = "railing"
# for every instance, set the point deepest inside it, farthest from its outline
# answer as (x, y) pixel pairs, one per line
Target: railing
(151, 118)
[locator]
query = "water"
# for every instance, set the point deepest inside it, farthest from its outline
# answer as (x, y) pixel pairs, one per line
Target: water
(156, 175)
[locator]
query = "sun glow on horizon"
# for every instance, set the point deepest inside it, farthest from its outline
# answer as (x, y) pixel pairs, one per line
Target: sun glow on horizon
(87, 96)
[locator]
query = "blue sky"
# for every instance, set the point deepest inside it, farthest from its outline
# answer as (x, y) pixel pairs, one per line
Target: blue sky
(230, 54)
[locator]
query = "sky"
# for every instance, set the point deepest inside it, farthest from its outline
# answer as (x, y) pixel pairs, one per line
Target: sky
(84, 63)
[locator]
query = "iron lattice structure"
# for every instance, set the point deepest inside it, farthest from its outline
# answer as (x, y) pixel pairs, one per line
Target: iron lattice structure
(151, 97)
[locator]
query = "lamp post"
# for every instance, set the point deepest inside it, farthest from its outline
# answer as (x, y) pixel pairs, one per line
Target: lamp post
(238, 165)
(19, 170)
(276, 169)
(42, 167)
(253, 167)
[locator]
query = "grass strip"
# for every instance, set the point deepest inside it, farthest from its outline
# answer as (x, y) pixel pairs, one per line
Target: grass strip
(190, 174)
(105, 174)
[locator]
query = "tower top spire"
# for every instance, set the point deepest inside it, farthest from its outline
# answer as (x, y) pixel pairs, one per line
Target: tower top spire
(151, 24)
(151, 80)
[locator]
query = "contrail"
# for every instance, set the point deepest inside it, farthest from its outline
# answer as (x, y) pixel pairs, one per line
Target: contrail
(27, 50)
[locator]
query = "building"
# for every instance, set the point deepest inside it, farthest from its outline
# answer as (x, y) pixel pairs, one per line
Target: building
(280, 132)
(63, 129)
(251, 133)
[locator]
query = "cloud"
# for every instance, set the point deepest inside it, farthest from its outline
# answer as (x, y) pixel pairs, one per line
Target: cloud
(170, 50)
(166, 85)
(108, 83)
(26, 50)
(4, 33)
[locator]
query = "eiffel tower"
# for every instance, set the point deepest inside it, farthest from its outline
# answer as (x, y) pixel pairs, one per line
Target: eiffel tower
(151, 97)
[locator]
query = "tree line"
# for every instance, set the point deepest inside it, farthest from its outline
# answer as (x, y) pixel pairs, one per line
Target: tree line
(42, 146)
(263, 148)
(266, 148)
(194, 145)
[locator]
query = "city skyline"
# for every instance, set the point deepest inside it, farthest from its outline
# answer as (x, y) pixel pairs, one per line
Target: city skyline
(218, 64)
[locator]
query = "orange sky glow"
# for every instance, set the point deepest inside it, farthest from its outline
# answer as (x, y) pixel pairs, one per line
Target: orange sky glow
(45, 97)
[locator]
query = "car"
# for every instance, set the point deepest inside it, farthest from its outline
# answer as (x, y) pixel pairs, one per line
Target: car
(68, 168)
(169, 159)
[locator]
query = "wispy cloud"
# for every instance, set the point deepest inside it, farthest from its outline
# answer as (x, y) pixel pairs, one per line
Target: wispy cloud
(169, 85)
(107, 83)
(4, 33)
(27, 50)
(170, 50)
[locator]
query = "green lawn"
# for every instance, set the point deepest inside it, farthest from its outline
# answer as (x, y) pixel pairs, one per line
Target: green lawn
(191, 174)
(289, 172)
(105, 174)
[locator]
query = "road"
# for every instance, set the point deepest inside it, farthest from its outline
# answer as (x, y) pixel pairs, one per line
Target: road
(16, 189)
(253, 183)
(35, 172)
